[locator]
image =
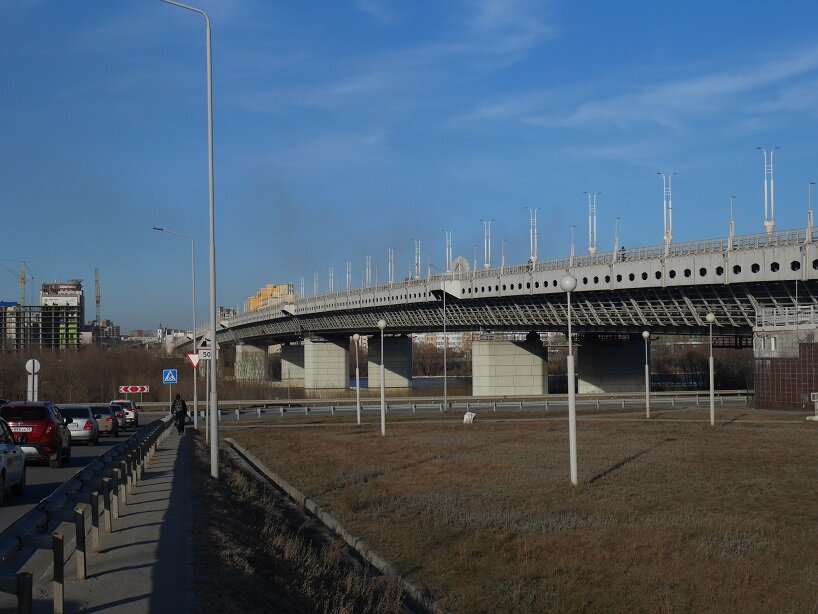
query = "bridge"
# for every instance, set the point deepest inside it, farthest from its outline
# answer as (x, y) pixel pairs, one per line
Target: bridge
(667, 289)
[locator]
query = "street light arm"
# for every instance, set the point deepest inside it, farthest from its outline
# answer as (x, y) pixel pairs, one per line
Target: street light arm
(189, 8)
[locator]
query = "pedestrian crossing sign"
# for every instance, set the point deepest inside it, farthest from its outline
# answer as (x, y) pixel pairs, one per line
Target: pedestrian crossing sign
(169, 376)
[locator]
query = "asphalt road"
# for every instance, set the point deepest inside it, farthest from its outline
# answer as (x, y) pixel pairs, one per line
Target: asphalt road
(42, 480)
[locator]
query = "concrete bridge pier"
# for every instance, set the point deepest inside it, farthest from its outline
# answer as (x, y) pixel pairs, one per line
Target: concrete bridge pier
(509, 368)
(251, 362)
(326, 362)
(292, 364)
(397, 352)
(611, 363)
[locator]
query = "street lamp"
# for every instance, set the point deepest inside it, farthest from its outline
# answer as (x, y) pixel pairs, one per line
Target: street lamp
(710, 319)
(356, 338)
(214, 397)
(646, 337)
(569, 284)
(382, 325)
(193, 275)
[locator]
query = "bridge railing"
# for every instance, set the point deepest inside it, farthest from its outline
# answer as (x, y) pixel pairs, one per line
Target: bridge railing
(787, 316)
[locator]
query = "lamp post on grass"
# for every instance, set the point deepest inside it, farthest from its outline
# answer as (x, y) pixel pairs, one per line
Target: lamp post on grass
(569, 284)
(214, 396)
(356, 338)
(710, 317)
(193, 275)
(646, 337)
(382, 326)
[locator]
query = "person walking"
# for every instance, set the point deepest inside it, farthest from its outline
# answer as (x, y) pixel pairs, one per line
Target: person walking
(179, 409)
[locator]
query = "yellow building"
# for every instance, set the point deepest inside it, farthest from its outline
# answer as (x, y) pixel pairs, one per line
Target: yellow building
(270, 296)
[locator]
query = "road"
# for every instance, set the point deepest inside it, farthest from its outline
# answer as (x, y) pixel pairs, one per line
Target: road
(42, 480)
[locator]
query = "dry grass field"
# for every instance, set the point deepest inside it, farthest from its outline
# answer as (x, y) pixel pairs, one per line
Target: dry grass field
(671, 514)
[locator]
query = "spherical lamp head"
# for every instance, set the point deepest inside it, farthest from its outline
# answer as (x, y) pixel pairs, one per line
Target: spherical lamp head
(710, 318)
(568, 283)
(381, 323)
(645, 335)
(356, 337)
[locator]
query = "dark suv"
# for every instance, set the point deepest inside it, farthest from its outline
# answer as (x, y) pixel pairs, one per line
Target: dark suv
(40, 430)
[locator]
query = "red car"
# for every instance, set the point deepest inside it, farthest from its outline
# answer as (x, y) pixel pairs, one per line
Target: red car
(40, 430)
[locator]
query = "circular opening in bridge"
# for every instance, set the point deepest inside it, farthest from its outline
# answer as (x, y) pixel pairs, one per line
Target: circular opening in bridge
(702, 272)
(815, 264)
(672, 273)
(644, 276)
(658, 274)
(687, 273)
(755, 268)
(463, 291)
(536, 284)
(631, 276)
(519, 286)
(496, 288)
(736, 270)
(795, 265)
(482, 288)
(528, 285)
(504, 286)
(607, 279)
(596, 279)
(719, 270)
(554, 283)
(618, 278)
(469, 290)
(774, 267)
(584, 281)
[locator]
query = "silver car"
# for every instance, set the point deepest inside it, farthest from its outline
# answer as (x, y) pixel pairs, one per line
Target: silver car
(12, 463)
(84, 426)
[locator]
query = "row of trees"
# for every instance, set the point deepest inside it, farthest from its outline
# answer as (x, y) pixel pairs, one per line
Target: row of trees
(94, 374)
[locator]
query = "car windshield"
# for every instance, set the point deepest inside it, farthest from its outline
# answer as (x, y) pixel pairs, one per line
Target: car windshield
(17, 413)
(74, 412)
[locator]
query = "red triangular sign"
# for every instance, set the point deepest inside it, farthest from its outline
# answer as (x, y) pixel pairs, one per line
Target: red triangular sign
(193, 359)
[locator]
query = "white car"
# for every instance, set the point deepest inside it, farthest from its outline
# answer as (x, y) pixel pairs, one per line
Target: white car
(131, 411)
(12, 463)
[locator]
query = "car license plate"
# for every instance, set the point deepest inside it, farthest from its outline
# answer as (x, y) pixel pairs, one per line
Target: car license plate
(21, 429)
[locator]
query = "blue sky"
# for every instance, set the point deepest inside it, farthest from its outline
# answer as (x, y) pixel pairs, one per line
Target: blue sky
(343, 128)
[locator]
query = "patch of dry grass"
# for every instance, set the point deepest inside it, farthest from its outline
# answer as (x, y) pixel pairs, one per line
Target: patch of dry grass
(257, 553)
(671, 515)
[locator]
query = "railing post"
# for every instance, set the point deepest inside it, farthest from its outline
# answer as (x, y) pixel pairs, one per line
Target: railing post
(57, 546)
(238, 415)
(25, 587)
(115, 494)
(79, 524)
(281, 411)
(95, 521)
(106, 500)
(258, 412)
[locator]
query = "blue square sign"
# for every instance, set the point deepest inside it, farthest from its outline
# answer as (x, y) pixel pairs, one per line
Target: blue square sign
(169, 376)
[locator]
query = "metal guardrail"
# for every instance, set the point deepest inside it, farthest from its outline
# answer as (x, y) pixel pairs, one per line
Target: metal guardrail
(111, 477)
(787, 316)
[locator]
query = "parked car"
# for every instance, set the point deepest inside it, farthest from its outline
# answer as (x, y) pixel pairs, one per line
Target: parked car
(131, 411)
(12, 463)
(40, 430)
(84, 426)
(107, 422)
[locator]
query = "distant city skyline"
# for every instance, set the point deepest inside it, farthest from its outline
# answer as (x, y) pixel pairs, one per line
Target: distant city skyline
(346, 129)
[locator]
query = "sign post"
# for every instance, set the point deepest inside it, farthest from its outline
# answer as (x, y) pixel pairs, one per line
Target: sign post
(170, 376)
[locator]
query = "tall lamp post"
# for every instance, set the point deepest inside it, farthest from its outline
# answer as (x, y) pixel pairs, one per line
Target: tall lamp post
(710, 319)
(569, 284)
(382, 326)
(646, 337)
(214, 396)
(445, 346)
(193, 274)
(356, 338)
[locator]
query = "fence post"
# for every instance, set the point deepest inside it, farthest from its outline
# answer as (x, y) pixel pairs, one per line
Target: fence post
(57, 545)
(281, 411)
(79, 524)
(25, 586)
(106, 501)
(238, 415)
(115, 494)
(219, 415)
(258, 412)
(414, 407)
(546, 405)
(95, 521)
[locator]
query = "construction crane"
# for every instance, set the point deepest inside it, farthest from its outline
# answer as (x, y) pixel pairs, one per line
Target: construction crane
(22, 277)
(96, 276)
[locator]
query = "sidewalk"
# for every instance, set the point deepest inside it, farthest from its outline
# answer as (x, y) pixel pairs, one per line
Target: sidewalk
(146, 564)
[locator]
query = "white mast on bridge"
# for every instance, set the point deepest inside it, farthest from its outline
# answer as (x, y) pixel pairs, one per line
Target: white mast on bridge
(592, 244)
(667, 208)
(769, 191)
(487, 243)
(448, 235)
(532, 233)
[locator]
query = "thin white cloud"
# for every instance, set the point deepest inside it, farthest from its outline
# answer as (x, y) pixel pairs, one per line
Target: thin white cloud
(382, 11)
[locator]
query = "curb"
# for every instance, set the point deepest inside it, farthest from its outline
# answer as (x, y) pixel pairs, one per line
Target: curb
(419, 599)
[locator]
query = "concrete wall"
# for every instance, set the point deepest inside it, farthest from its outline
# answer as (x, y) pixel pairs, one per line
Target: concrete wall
(509, 368)
(611, 364)
(292, 364)
(251, 363)
(397, 365)
(326, 363)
